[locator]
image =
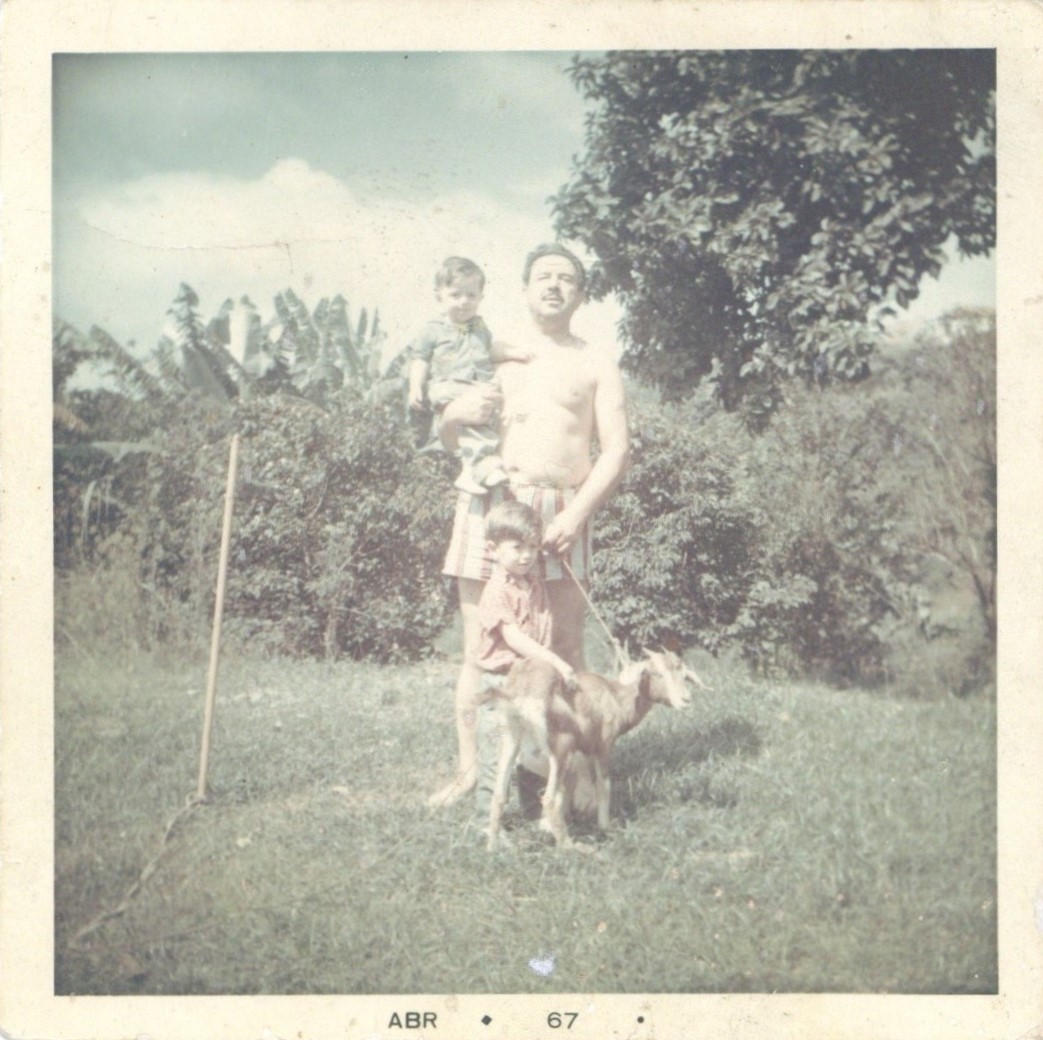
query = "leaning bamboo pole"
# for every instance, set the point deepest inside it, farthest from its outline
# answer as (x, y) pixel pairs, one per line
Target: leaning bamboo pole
(219, 604)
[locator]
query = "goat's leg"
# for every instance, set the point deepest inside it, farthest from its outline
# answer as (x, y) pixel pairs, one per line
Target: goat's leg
(603, 782)
(509, 744)
(553, 781)
(553, 818)
(580, 788)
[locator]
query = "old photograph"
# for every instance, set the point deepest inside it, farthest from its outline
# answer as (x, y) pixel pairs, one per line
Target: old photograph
(524, 532)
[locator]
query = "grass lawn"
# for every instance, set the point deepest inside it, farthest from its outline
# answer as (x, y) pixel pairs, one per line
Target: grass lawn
(772, 837)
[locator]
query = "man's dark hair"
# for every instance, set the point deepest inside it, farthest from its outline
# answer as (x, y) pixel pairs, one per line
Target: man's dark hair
(511, 520)
(454, 267)
(554, 249)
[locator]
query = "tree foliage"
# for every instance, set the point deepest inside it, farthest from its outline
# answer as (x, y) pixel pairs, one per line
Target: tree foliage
(337, 543)
(859, 521)
(202, 368)
(756, 211)
(338, 537)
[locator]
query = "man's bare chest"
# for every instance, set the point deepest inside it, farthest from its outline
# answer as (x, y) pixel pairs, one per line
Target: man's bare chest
(560, 380)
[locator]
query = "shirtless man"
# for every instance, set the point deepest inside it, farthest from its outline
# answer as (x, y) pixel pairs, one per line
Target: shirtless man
(551, 410)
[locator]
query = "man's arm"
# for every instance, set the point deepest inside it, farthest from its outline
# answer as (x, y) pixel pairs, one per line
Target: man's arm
(500, 351)
(610, 427)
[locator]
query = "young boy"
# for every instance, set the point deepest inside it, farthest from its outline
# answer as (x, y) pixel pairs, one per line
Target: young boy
(515, 624)
(452, 353)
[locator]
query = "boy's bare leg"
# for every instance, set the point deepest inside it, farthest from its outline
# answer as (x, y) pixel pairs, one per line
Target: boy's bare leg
(468, 688)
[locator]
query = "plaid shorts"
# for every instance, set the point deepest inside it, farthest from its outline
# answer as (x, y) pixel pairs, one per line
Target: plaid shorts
(467, 557)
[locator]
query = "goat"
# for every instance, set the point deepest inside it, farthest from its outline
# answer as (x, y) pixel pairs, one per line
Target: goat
(541, 710)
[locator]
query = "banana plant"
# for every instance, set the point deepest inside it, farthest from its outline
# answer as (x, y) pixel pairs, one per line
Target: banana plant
(234, 355)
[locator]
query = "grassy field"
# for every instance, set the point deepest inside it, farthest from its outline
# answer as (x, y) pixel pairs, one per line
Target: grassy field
(772, 837)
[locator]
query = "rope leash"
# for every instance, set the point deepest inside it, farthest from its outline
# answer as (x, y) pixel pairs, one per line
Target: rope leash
(621, 655)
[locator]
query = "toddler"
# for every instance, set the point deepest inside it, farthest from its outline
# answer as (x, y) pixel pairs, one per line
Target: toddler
(452, 353)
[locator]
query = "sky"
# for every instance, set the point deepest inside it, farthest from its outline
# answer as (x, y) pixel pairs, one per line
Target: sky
(352, 173)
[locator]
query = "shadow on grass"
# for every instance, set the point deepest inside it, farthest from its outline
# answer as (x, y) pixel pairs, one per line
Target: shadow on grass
(658, 768)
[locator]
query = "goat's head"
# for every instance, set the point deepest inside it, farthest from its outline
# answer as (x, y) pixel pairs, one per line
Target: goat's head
(661, 675)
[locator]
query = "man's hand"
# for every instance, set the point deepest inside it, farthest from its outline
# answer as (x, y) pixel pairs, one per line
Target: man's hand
(562, 533)
(476, 407)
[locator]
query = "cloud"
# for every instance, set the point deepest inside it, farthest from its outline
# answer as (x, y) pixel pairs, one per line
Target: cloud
(121, 255)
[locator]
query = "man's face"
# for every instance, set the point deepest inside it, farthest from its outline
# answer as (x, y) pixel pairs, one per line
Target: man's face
(553, 288)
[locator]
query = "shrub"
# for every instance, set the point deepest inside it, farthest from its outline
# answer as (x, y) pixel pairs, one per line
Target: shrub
(343, 529)
(339, 528)
(812, 546)
(677, 545)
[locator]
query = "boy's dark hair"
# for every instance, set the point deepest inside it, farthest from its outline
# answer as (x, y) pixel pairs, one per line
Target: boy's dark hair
(511, 519)
(454, 267)
(554, 249)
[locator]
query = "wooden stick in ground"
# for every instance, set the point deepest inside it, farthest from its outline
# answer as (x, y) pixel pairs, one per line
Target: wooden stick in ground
(219, 604)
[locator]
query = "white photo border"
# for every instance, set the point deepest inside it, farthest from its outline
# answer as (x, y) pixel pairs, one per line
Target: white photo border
(31, 33)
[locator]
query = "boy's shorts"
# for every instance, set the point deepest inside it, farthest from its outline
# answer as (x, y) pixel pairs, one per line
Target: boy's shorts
(467, 556)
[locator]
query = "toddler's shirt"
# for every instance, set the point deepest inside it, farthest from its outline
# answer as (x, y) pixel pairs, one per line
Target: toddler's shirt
(455, 351)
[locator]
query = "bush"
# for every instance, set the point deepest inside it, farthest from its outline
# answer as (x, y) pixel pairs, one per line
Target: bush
(338, 533)
(343, 530)
(813, 546)
(722, 539)
(676, 547)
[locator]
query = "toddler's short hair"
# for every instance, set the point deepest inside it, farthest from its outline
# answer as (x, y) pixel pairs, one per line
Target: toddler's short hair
(454, 267)
(511, 519)
(555, 249)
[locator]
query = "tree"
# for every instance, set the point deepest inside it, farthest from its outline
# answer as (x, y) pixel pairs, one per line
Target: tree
(952, 500)
(197, 369)
(757, 211)
(336, 546)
